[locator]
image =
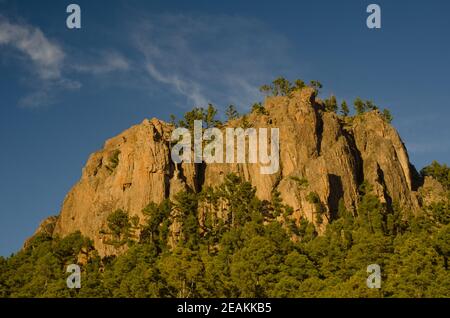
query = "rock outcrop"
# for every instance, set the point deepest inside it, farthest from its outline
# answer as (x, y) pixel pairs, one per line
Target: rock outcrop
(46, 228)
(320, 152)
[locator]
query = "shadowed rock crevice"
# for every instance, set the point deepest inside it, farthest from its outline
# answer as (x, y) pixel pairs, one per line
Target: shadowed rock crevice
(319, 133)
(336, 194)
(200, 169)
(416, 178)
(356, 155)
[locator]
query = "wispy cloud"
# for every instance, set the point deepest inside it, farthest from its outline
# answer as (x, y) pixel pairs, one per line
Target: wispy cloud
(52, 68)
(219, 59)
(104, 62)
(185, 87)
(47, 57)
(205, 58)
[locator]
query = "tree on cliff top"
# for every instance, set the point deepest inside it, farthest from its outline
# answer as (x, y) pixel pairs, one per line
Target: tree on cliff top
(283, 87)
(440, 172)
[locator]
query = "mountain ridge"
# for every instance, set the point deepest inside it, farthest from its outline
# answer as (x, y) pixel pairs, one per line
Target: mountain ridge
(322, 155)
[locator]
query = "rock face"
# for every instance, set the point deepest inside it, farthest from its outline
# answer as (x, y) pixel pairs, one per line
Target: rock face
(46, 227)
(320, 152)
(132, 170)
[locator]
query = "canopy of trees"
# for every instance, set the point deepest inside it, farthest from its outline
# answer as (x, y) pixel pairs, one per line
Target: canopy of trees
(252, 248)
(439, 172)
(207, 116)
(283, 87)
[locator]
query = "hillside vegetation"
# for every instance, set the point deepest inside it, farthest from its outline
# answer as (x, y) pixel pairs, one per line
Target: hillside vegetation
(345, 197)
(257, 251)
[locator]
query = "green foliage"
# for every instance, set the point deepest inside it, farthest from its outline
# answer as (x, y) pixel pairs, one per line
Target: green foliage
(71, 246)
(344, 109)
(320, 209)
(277, 208)
(359, 106)
(186, 205)
(283, 87)
(251, 248)
(113, 160)
(387, 115)
(207, 116)
(245, 123)
(416, 268)
(316, 85)
(301, 182)
(231, 113)
(265, 89)
(298, 85)
(121, 228)
(156, 229)
(369, 105)
(182, 271)
(365, 106)
(173, 119)
(331, 104)
(240, 198)
(39, 270)
(133, 274)
(255, 267)
(440, 172)
(197, 113)
(439, 212)
(258, 108)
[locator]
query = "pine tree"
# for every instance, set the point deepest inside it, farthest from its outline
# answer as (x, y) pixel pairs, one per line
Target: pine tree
(209, 117)
(387, 115)
(369, 105)
(186, 205)
(258, 108)
(173, 120)
(120, 228)
(298, 84)
(331, 104)
(344, 109)
(317, 86)
(281, 86)
(359, 106)
(231, 113)
(440, 172)
(252, 248)
(197, 113)
(266, 89)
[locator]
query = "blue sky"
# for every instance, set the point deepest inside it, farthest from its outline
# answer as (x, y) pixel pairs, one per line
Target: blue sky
(64, 92)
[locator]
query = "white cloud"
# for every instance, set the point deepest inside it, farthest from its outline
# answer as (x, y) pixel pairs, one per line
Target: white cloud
(205, 58)
(184, 87)
(217, 59)
(104, 63)
(43, 57)
(48, 61)
(47, 57)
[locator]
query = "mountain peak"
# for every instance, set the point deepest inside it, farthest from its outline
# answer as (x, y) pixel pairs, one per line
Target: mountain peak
(321, 154)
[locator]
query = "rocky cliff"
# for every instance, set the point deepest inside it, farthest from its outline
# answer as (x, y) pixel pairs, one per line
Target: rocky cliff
(320, 152)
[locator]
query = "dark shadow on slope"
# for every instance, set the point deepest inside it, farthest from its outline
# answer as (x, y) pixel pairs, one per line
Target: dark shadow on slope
(336, 193)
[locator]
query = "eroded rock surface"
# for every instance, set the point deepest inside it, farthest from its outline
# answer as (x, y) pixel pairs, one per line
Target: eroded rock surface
(320, 152)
